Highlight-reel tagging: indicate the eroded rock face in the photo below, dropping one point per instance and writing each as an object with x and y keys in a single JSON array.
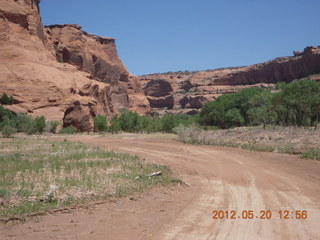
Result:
[
  {"x": 91, "y": 81},
  {"x": 284, "y": 69},
  {"x": 159, "y": 93},
  {"x": 97, "y": 56},
  {"x": 158, "y": 88},
  {"x": 192, "y": 101},
  {"x": 78, "y": 117},
  {"x": 25, "y": 13},
  {"x": 190, "y": 90},
  {"x": 187, "y": 85},
  {"x": 90, "y": 53}
]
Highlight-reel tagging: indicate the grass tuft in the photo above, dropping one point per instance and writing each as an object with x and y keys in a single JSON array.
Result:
[{"x": 311, "y": 154}]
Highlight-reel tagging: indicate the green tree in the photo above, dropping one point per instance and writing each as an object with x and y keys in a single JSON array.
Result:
[
  {"x": 25, "y": 124},
  {"x": 53, "y": 126},
  {"x": 115, "y": 125},
  {"x": 229, "y": 110},
  {"x": 168, "y": 122},
  {"x": 7, "y": 131},
  {"x": 155, "y": 124},
  {"x": 100, "y": 123},
  {"x": 298, "y": 103},
  {"x": 128, "y": 120},
  {"x": 5, "y": 112},
  {"x": 11, "y": 100},
  {"x": 5, "y": 99},
  {"x": 261, "y": 109},
  {"x": 68, "y": 130},
  {"x": 7, "y": 121},
  {"x": 233, "y": 118},
  {"x": 39, "y": 124},
  {"x": 143, "y": 124}
]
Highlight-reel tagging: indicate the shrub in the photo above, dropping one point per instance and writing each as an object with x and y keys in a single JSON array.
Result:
[
  {"x": 311, "y": 154},
  {"x": 100, "y": 123},
  {"x": 155, "y": 125},
  {"x": 53, "y": 126},
  {"x": 7, "y": 131},
  {"x": 128, "y": 120},
  {"x": 8, "y": 122},
  {"x": 5, "y": 113},
  {"x": 234, "y": 118},
  {"x": 39, "y": 124},
  {"x": 25, "y": 124},
  {"x": 179, "y": 130},
  {"x": 168, "y": 122},
  {"x": 143, "y": 124},
  {"x": 229, "y": 110},
  {"x": 69, "y": 130},
  {"x": 132, "y": 122},
  {"x": 11, "y": 100},
  {"x": 115, "y": 125},
  {"x": 190, "y": 134},
  {"x": 171, "y": 121},
  {"x": 6, "y": 100}
]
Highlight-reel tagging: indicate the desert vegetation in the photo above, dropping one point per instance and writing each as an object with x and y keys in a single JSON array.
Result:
[
  {"x": 128, "y": 121},
  {"x": 281, "y": 139},
  {"x": 69, "y": 130},
  {"x": 6, "y": 100},
  {"x": 293, "y": 104},
  {"x": 11, "y": 123},
  {"x": 37, "y": 174},
  {"x": 285, "y": 120}
]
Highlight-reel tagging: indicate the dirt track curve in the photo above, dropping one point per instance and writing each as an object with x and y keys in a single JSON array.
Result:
[{"x": 217, "y": 178}]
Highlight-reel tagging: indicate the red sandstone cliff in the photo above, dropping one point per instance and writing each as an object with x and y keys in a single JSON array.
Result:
[
  {"x": 186, "y": 92},
  {"x": 62, "y": 72},
  {"x": 69, "y": 75}
]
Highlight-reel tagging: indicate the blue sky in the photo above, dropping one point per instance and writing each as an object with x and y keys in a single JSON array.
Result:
[{"x": 171, "y": 35}]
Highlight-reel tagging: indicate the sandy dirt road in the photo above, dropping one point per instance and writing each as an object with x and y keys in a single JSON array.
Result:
[{"x": 218, "y": 179}]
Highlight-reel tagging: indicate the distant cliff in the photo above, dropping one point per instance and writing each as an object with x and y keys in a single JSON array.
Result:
[{"x": 186, "y": 92}]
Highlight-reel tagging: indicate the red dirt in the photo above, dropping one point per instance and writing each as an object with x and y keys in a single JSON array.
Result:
[{"x": 218, "y": 179}]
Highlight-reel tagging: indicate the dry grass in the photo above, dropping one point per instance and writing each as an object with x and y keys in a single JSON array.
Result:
[
  {"x": 292, "y": 140},
  {"x": 38, "y": 174}
]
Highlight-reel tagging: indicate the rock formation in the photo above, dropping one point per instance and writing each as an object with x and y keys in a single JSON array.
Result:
[
  {"x": 60, "y": 71},
  {"x": 90, "y": 53},
  {"x": 284, "y": 69},
  {"x": 69, "y": 75},
  {"x": 97, "y": 56},
  {"x": 190, "y": 90},
  {"x": 160, "y": 93}
]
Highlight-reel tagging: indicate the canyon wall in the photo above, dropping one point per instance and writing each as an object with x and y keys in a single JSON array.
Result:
[
  {"x": 186, "y": 92},
  {"x": 70, "y": 75},
  {"x": 60, "y": 71}
]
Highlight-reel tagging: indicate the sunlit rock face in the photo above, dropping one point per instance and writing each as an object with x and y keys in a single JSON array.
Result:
[{"x": 60, "y": 71}]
